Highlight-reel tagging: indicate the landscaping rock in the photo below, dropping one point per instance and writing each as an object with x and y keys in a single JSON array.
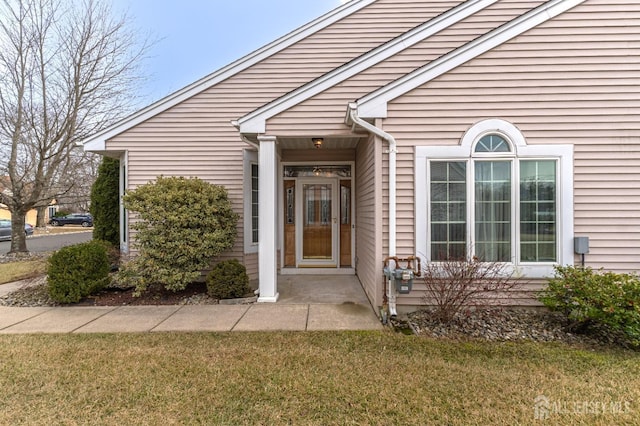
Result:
[
  {"x": 495, "y": 324},
  {"x": 239, "y": 301}
]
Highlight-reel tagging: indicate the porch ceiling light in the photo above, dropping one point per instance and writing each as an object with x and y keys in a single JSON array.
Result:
[{"x": 317, "y": 142}]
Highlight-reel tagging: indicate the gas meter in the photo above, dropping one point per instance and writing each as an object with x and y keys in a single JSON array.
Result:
[
  {"x": 403, "y": 277},
  {"x": 404, "y": 280}
]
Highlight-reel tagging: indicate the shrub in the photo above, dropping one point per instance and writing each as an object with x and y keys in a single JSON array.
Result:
[
  {"x": 77, "y": 271},
  {"x": 105, "y": 202},
  {"x": 596, "y": 298},
  {"x": 61, "y": 213},
  {"x": 455, "y": 284},
  {"x": 113, "y": 254},
  {"x": 228, "y": 280},
  {"x": 183, "y": 224}
]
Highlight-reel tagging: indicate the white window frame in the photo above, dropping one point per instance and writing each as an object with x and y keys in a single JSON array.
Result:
[
  {"x": 561, "y": 153},
  {"x": 250, "y": 158}
]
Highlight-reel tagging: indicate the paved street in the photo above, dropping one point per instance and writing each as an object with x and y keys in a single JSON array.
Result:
[{"x": 43, "y": 243}]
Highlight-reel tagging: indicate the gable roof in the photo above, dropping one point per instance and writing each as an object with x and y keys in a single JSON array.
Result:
[
  {"x": 374, "y": 104},
  {"x": 97, "y": 142},
  {"x": 255, "y": 121}
]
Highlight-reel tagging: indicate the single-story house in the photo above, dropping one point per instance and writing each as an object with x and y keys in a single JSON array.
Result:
[
  {"x": 429, "y": 128},
  {"x": 32, "y": 215}
]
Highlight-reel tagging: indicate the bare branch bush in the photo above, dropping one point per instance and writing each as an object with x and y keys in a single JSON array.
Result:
[
  {"x": 456, "y": 284},
  {"x": 68, "y": 69}
]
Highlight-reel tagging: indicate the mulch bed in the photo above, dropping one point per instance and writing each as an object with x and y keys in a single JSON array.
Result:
[
  {"x": 34, "y": 293},
  {"x": 119, "y": 297}
]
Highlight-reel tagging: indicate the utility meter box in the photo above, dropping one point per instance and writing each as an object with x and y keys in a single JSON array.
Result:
[
  {"x": 581, "y": 245},
  {"x": 404, "y": 280}
]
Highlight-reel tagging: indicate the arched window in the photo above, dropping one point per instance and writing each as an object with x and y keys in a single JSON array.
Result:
[
  {"x": 492, "y": 143},
  {"x": 495, "y": 197}
]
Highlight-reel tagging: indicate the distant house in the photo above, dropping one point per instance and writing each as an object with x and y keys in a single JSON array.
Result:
[
  {"x": 404, "y": 127},
  {"x": 32, "y": 215}
]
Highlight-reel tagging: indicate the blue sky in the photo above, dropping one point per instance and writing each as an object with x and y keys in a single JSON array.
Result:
[{"x": 196, "y": 37}]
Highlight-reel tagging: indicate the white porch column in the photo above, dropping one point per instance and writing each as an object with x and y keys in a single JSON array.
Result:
[{"x": 267, "y": 221}]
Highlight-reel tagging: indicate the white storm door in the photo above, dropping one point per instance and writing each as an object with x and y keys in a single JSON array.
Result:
[{"x": 317, "y": 227}]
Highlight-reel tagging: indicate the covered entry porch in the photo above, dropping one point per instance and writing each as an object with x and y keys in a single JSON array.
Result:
[
  {"x": 307, "y": 211},
  {"x": 321, "y": 289}
]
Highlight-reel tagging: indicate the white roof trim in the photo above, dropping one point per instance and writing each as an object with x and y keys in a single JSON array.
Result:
[
  {"x": 374, "y": 105},
  {"x": 255, "y": 122},
  {"x": 97, "y": 142}
]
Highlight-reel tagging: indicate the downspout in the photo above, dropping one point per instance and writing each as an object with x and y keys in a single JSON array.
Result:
[
  {"x": 353, "y": 114},
  {"x": 253, "y": 144},
  {"x": 236, "y": 124}
]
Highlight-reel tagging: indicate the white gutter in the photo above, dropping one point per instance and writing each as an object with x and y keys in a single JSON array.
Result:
[
  {"x": 253, "y": 144},
  {"x": 235, "y": 124},
  {"x": 353, "y": 114}
]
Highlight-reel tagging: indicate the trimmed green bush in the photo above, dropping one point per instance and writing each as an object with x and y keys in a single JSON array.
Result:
[
  {"x": 113, "y": 254},
  {"x": 228, "y": 280},
  {"x": 77, "y": 271},
  {"x": 105, "y": 202},
  {"x": 183, "y": 225},
  {"x": 596, "y": 298}
]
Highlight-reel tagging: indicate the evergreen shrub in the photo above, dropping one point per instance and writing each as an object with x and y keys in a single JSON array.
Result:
[
  {"x": 75, "y": 272},
  {"x": 228, "y": 280},
  {"x": 105, "y": 202},
  {"x": 587, "y": 297},
  {"x": 181, "y": 226}
]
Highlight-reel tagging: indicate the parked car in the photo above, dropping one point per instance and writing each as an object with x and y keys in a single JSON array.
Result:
[
  {"x": 72, "y": 219},
  {"x": 5, "y": 230}
]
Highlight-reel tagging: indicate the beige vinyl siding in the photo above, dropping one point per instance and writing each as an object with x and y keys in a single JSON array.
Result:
[
  {"x": 251, "y": 263},
  {"x": 607, "y": 202},
  {"x": 368, "y": 218},
  {"x": 573, "y": 80},
  {"x": 195, "y": 137},
  {"x": 380, "y": 21},
  {"x": 521, "y": 296},
  {"x": 326, "y": 110}
]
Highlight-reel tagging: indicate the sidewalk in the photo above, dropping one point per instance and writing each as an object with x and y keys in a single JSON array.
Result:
[
  {"x": 193, "y": 318},
  {"x": 307, "y": 303}
]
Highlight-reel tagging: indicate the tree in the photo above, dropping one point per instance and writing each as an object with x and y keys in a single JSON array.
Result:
[
  {"x": 67, "y": 70},
  {"x": 82, "y": 174},
  {"x": 182, "y": 225},
  {"x": 105, "y": 205}
]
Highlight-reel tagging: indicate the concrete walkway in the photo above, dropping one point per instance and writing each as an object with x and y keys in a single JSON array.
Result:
[{"x": 290, "y": 314}]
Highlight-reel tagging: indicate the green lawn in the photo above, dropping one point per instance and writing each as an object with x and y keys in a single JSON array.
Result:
[{"x": 308, "y": 378}]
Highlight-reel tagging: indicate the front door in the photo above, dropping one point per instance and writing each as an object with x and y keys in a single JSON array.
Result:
[
  {"x": 317, "y": 227},
  {"x": 317, "y": 216}
]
